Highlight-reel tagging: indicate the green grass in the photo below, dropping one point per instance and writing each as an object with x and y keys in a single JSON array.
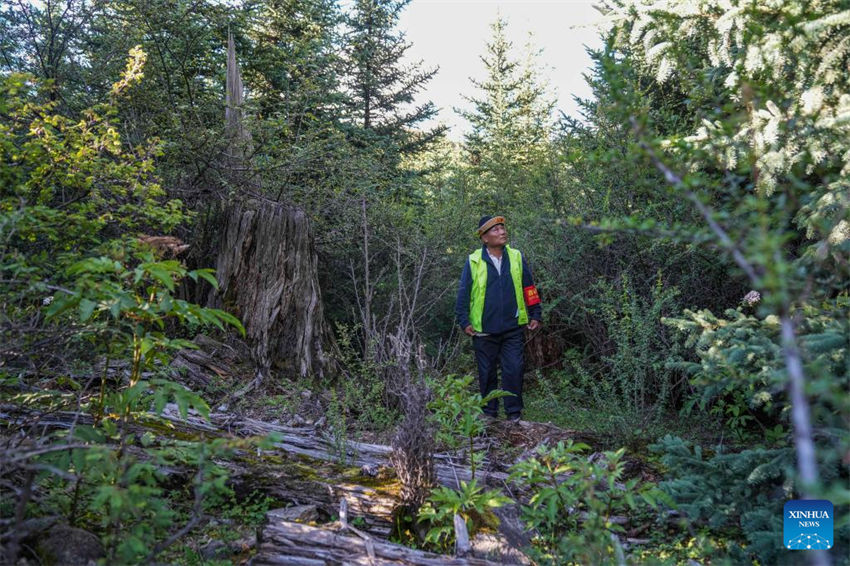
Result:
[{"x": 553, "y": 398}]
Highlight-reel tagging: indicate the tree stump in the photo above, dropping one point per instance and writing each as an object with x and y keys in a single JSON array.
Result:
[{"x": 268, "y": 274}]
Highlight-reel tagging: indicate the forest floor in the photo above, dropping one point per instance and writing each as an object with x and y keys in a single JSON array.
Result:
[
  {"x": 321, "y": 454},
  {"x": 309, "y": 406}
]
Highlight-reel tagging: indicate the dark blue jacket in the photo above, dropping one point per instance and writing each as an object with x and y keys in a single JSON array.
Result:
[{"x": 500, "y": 308}]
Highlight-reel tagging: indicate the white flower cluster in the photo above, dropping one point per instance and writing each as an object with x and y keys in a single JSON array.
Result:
[{"x": 751, "y": 298}]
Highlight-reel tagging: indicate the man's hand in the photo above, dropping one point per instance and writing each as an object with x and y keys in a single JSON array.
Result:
[
  {"x": 469, "y": 330},
  {"x": 533, "y": 324}
]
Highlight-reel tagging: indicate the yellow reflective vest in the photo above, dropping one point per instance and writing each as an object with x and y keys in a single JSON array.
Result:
[{"x": 478, "y": 270}]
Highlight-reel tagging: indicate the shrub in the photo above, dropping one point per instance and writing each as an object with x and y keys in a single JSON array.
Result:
[
  {"x": 457, "y": 411},
  {"x": 573, "y": 501},
  {"x": 470, "y": 501},
  {"x": 78, "y": 285}
]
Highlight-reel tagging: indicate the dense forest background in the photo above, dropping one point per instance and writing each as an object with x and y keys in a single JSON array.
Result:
[{"x": 689, "y": 234}]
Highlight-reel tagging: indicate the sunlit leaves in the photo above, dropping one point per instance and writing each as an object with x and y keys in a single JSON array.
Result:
[
  {"x": 573, "y": 500},
  {"x": 471, "y": 501}
]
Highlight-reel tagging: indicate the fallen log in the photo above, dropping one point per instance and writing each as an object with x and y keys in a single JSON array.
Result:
[
  {"x": 294, "y": 544},
  {"x": 308, "y": 441},
  {"x": 302, "y": 468},
  {"x": 301, "y": 481},
  {"x": 314, "y": 443}
]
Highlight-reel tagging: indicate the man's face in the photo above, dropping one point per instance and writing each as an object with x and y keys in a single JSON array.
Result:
[{"x": 495, "y": 236}]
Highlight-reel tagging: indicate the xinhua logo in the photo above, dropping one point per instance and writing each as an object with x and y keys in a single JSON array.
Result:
[{"x": 808, "y": 524}]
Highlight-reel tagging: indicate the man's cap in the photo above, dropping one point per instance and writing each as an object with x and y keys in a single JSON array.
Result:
[{"x": 488, "y": 222}]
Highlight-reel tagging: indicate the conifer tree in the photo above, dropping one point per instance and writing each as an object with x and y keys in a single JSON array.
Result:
[
  {"x": 381, "y": 88},
  {"x": 764, "y": 166},
  {"x": 510, "y": 120},
  {"x": 294, "y": 67},
  {"x": 293, "y": 70}
]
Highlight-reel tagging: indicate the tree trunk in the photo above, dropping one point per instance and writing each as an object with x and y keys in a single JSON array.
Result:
[
  {"x": 267, "y": 269},
  {"x": 267, "y": 264}
]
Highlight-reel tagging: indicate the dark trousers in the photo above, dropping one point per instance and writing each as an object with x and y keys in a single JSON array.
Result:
[{"x": 503, "y": 350}]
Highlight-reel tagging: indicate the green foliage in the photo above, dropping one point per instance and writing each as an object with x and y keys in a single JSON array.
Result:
[
  {"x": 111, "y": 478},
  {"x": 742, "y": 111},
  {"x": 739, "y": 381},
  {"x": 638, "y": 383},
  {"x": 470, "y": 501},
  {"x": 630, "y": 390},
  {"x": 633, "y": 388},
  {"x": 510, "y": 126},
  {"x": 740, "y": 378},
  {"x": 362, "y": 394},
  {"x": 129, "y": 307},
  {"x": 745, "y": 490},
  {"x": 359, "y": 401},
  {"x": 250, "y": 510},
  {"x": 458, "y": 414},
  {"x": 740, "y": 374},
  {"x": 338, "y": 423},
  {"x": 74, "y": 202},
  {"x": 745, "y": 105},
  {"x": 107, "y": 484},
  {"x": 573, "y": 500},
  {"x": 70, "y": 191},
  {"x": 380, "y": 86},
  {"x": 54, "y": 204}
]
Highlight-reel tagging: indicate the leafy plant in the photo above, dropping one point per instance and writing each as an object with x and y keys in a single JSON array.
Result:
[
  {"x": 458, "y": 414},
  {"x": 363, "y": 392},
  {"x": 637, "y": 382},
  {"x": 470, "y": 501},
  {"x": 129, "y": 306},
  {"x": 574, "y": 499},
  {"x": 74, "y": 203},
  {"x": 337, "y": 422}
]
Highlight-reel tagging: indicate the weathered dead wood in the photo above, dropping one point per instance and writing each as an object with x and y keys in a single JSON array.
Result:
[
  {"x": 312, "y": 442},
  {"x": 268, "y": 273},
  {"x": 267, "y": 262},
  {"x": 212, "y": 361},
  {"x": 292, "y": 473},
  {"x": 286, "y": 543},
  {"x": 308, "y": 441},
  {"x": 305, "y": 482},
  {"x": 237, "y": 134},
  {"x": 462, "y": 546},
  {"x": 189, "y": 372},
  {"x": 302, "y": 468}
]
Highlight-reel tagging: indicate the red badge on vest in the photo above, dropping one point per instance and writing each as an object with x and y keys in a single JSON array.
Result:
[{"x": 531, "y": 296}]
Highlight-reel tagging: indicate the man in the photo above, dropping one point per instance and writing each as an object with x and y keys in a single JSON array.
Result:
[{"x": 496, "y": 299}]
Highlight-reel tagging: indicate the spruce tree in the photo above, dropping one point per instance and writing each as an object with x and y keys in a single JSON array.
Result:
[
  {"x": 510, "y": 121},
  {"x": 294, "y": 67},
  {"x": 765, "y": 169},
  {"x": 381, "y": 88},
  {"x": 293, "y": 70}
]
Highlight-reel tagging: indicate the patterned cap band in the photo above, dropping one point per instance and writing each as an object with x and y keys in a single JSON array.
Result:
[{"x": 490, "y": 223}]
